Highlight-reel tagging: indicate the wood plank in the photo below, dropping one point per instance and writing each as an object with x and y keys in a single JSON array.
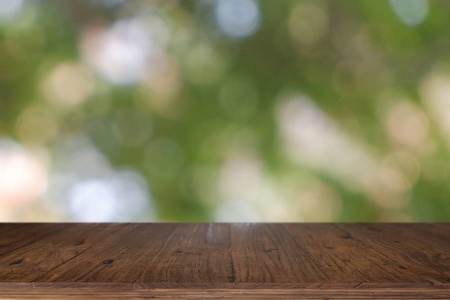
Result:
[
  {"x": 433, "y": 234},
  {"x": 16, "y": 235},
  {"x": 407, "y": 255},
  {"x": 341, "y": 257},
  {"x": 35, "y": 259},
  {"x": 195, "y": 255},
  {"x": 262, "y": 254},
  {"x": 226, "y": 261},
  {"x": 113, "y": 292},
  {"x": 115, "y": 258},
  {"x": 351, "y": 259}
]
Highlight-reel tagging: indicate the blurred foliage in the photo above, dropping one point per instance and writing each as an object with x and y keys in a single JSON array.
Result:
[{"x": 320, "y": 111}]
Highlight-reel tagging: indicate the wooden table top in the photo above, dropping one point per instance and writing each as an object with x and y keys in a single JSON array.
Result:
[{"x": 221, "y": 260}]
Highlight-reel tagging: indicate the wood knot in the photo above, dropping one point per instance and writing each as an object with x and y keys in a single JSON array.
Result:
[
  {"x": 191, "y": 253},
  {"x": 79, "y": 243},
  {"x": 16, "y": 262},
  {"x": 347, "y": 237},
  {"x": 108, "y": 261},
  {"x": 270, "y": 250},
  {"x": 373, "y": 229}
]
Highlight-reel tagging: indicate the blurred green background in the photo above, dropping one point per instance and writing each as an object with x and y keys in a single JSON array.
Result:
[{"x": 227, "y": 110}]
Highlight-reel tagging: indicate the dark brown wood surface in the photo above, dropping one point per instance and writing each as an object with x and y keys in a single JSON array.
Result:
[{"x": 219, "y": 260}]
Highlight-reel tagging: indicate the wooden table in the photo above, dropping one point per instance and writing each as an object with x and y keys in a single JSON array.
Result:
[{"x": 220, "y": 260}]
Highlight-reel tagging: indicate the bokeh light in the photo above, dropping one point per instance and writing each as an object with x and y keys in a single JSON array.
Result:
[
  {"x": 124, "y": 52},
  {"x": 69, "y": 84},
  {"x": 120, "y": 198},
  {"x": 410, "y": 12},
  {"x": 224, "y": 110},
  {"x": 23, "y": 177},
  {"x": 92, "y": 190},
  {"x": 9, "y": 9},
  {"x": 237, "y": 18},
  {"x": 308, "y": 23},
  {"x": 313, "y": 139}
]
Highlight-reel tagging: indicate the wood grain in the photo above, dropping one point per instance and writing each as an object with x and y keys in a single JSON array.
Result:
[{"x": 221, "y": 260}]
